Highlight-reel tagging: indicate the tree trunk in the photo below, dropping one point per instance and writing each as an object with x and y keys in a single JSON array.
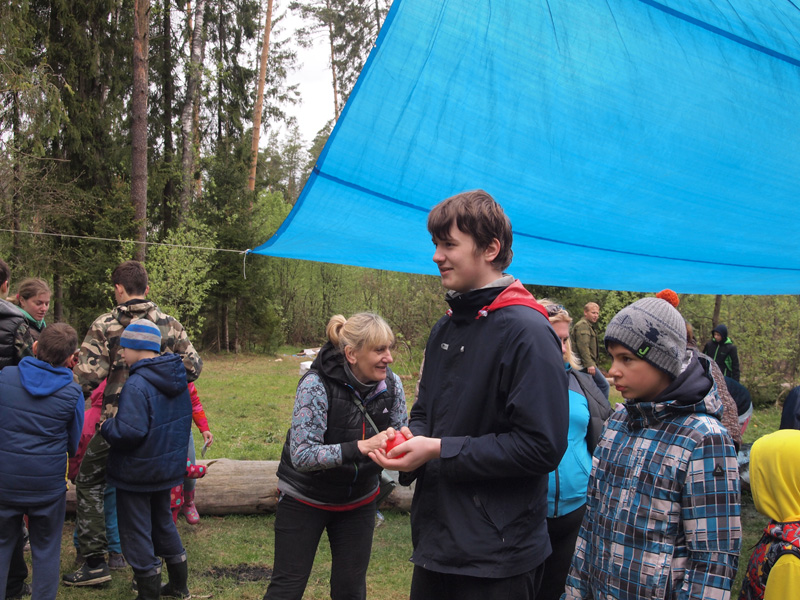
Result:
[
  {"x": 262, "y": 77},
  {"x": 187, "y": 120},
  {"x": 16, "y": 250},
  {"x": 236, "y": 340},
  {"x": 141, "y": 40},
  {"x": 225, "y": 337},
  {"x": 169, "y": 97},
  {"x": 333, "y": 70},
  {"x": 717, "y": 307},
  {"x": 250, "y": 487},
  {"x": 58, "y": 297}
]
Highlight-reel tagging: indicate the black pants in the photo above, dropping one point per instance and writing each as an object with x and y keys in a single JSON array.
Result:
[
  {"x": 17, "y": 569},
  {"x": 563, "y": 533},
  {"x": 298, "y": 528},
  {"x": 147, "y": 532},
  {"x": 45, "y": 523},
  {"x": 430, "y": 585}
]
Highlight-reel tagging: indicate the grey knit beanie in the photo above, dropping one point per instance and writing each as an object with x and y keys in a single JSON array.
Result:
[{"x": 653, "y": 330}]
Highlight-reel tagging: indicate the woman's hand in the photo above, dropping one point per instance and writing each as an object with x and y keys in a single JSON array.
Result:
[
  {"x": 373, "y": 443},
  {"x": 208, "y": 438},
  {"x": 416, "y": 450}
]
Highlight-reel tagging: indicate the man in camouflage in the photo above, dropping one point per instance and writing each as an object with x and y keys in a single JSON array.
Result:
[{"x": 99, "y": 360}]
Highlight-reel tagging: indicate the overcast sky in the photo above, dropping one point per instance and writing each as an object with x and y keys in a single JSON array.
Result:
[{"x": 314, "y": 81}]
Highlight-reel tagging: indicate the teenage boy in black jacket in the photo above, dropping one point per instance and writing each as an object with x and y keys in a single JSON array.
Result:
[{"x": 490, "y": 420}]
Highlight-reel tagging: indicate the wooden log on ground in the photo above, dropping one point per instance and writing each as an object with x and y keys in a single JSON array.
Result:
[{"x": 249, "y": 487}]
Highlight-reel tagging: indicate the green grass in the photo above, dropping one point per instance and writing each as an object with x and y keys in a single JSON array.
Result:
[{"x": 248, "y": 401}]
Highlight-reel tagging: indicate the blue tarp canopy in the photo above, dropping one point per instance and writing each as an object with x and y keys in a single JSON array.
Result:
[{"x": 634, "y": 144}]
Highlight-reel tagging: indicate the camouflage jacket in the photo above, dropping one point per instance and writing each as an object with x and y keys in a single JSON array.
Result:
[{"x": 100, "y": 359}]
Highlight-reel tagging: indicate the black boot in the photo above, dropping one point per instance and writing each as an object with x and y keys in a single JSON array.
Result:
[
  {"x": 178, "y": 578},
  {"x": 149, "y": 587}
]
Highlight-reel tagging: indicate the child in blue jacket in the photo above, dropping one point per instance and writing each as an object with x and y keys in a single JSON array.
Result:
[
  {"x": 41, "y": 417},
  {"x": 148, "y": 439}
]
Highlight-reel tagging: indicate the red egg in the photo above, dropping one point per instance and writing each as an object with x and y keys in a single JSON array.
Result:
[{"x": 398, "y": 439}]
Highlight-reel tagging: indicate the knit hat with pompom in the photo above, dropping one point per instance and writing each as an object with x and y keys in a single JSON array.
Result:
[{"x": 653, "y": 330}]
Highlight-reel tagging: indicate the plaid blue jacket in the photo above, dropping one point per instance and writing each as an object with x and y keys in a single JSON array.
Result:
[{"x": 662, "y": 517}]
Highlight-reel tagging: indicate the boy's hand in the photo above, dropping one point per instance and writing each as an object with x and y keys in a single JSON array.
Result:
[
  {"x": 72, "y": 360},
  {"x": 417, "y": 451}
]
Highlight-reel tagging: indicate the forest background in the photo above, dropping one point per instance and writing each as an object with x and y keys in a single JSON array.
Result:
[{"x": 136, "y": 119}]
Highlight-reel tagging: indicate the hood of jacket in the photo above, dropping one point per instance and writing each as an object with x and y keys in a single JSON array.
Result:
[
  {"x": 7, "y": 309},
  {"x": 723, "y": 331},
  {"x": 775, "y": 475},
  {"x": 137, "y": 308},
  {"x": 42, "y": 379},
  {"x": 165, "y": 372},
  {"x": 330, "y": 363},
  {"x": 693, "y": 391}
]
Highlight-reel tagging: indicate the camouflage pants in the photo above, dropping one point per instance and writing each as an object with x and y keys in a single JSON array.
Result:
[{"x": 90, "y": 488}]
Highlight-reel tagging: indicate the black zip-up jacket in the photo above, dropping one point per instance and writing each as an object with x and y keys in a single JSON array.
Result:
[
  {"x": 494, "y": 389},
  {"x": 11, "y": 318},
  {"x": 724, "y": 353}
]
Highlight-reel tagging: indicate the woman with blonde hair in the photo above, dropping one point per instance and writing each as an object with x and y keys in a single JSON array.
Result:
[
  {"x": 343, "y": 406},
  {"x": 566, "y": 491}
]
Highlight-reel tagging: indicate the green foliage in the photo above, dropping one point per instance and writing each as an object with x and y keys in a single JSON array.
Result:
[
  {"x": 764, "y": 329},
  {"x": 242, "y": 312},
  {"x": 180, "y": 277}
]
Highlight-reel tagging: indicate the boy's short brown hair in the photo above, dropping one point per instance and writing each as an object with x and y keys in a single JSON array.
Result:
[
  {"x": 57, "y": 343},
  {"x": 478, "y": 215},
  {"x": 132, "y": 276}
]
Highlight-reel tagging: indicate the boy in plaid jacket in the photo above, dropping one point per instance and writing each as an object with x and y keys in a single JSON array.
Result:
[{"x": 662, "y": 517}]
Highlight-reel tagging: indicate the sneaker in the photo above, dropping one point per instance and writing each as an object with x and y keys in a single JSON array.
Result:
[
  {"x": 116, "y": 561},
  {"x": 88, "y": 576},
  {"x": 25, "y": 591},
  {"x": 79, "y": 559}
]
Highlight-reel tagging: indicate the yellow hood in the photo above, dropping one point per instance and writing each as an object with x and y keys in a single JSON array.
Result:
[{"x": 775, "y": 475}]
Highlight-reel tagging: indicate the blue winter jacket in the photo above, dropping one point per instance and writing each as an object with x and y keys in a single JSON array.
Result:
[
  {"x": 149, "y": 435},
  {"x": 41, "y": 417}
]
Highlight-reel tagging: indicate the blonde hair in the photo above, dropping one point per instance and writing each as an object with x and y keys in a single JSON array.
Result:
[
  {"x": 558, "y": 314},
  {"x": 362, "y": 330}
]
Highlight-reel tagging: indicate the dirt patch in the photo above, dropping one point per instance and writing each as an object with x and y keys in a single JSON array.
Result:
[{"x": 242, "y": 572}]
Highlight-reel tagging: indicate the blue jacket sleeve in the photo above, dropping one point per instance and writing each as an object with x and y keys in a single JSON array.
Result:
[
  {"x": 128, "y": 428},
  {"x": 75, "y": 427}
]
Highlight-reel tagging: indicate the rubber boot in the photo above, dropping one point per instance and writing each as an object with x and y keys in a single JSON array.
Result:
[
  {"x": 177, "y": 586},
  {"x": 188, "y": 509},
  {"x": 149, "y": 587}
]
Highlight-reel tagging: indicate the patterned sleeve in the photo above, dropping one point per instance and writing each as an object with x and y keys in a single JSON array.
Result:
[
  {"x": 23, "y": 341},
  {"x": 577, "y": 585},
  {"x": 93, "y": 363},
  {"x": 710, "y": 512},
  {"x": 307, "y": 446},
  {"x": 399, "y": 416},
  {"x": 177, "y": 341}
]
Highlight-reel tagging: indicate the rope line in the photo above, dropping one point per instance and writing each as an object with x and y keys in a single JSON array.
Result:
[{"x": 102, "y": 239}]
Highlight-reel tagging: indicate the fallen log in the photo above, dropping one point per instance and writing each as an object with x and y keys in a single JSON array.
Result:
[{"x": 250, "y": 487}]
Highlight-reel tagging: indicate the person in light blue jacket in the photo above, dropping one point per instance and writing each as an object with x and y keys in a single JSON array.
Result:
[{"x": 566, "y": 490}]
